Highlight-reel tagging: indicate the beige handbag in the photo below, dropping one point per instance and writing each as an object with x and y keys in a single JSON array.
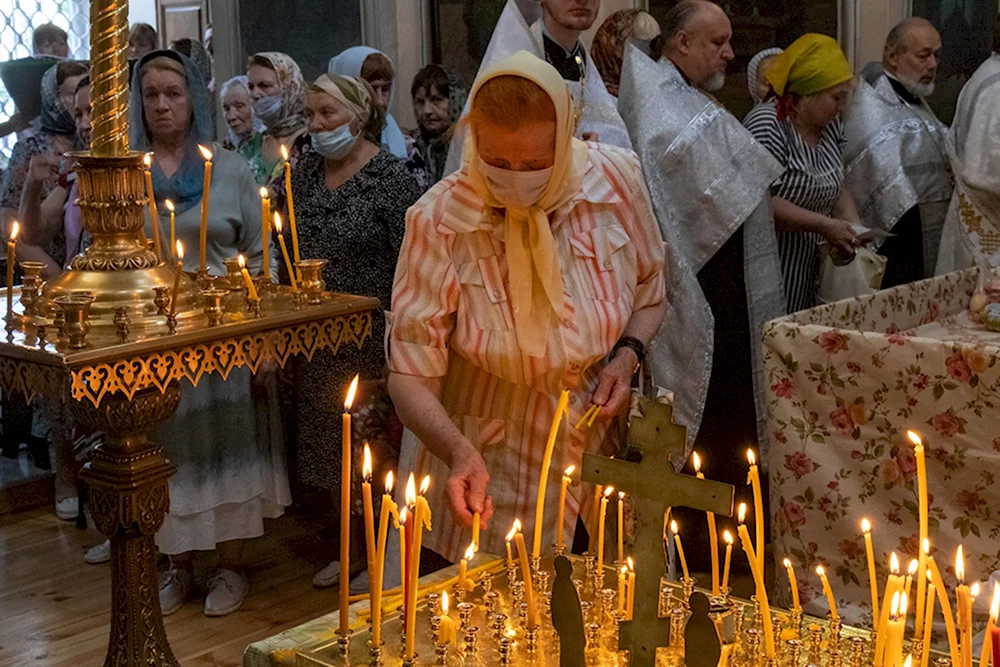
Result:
[{"x": 863, "y": 275}]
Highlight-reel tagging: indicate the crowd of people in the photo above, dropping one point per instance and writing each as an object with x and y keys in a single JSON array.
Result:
[{"x": 526, "y": 238}]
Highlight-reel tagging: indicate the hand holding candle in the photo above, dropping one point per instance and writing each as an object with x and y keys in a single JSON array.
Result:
[{"x": 203, "y": 237}]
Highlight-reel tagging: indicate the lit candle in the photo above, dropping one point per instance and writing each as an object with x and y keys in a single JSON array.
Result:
[
  {"x": 529, "y": 586},
  {"x": 621, "y": 527},
  {"x": 794, "y": 585},
  {"x": 543, "y": 480},
  {"x": 463, "y": 580},
  {"x": 728, "y": 537},
  {"x": 929, "y": 621},
  {"x": 631, "y": 588},
  {"x": 922, "y": 508},
  {"x": 291, "y": 205},
  {"x": 753, "y": 479},
  {"x": 962, "y": 607},
  {"x": 173, "y": 226},
  {"x": 251, "y": 290},
  {"x": 203, "y": 260},
  {"x": 680, "y": 551},
  {"x": 369, "y": 512},
  {"x": 566, "y": 479},
  {"x": 621, "y": 591},
  {"x": 600, "y": 531},
  {"x": 265, "y": 231},
  {"x": 991, "y": 640},
  {"x": 446, "y": 631},
  {"x": 866, "y": 529},
  {"x": 967, "y": 639},
  {"x": 345, "y": 492},
  {"x": 388, "y": 507},
  {"x": 897, "y": 628},
  {"x": 892, "y": 585},
  {"x": 404, "y": 554},
  {"x": 514, "y": 530},
  {"x": 832, "y": 601},
  {"x": 713, "y": 533},
  {"x": 949, "y": 618},
  {"x": 594, "y": 513},
  {"x": 908, "y": 582},
  {"x": 758, "y": 577},
  {"x": 178, "y": 271},
  {"x": 284, "y": 252},
  {"x": 15, "y": 228},
  {"x": 421, "y": 520},
  {"x": 154, "y": 217},
  {"x": 476, "y": 520}
]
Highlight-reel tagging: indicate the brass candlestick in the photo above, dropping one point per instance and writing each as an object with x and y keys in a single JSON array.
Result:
[
  {"x": 161, "y": 299},
  {"x": 122, "y": 321},
  {"x": 312, "y": 284},
  {"x": 76, "y": 309},
  {"x": 858, "y": 648},
  {"x": 213, "y": 305}
]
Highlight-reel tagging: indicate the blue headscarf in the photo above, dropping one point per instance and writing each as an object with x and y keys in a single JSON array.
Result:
[
  {"x": 350, "y": 62},
  {"x": 56, "y": 118},
  {"x": 184, "y": 188}
]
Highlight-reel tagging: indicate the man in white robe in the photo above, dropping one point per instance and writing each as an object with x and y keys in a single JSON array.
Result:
[
  {"x": 896, "y": 160},
  {"x": 709, "y": 181},
  {"x": 972, "y": 229}
]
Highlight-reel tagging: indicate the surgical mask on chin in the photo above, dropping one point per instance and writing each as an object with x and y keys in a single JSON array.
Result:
[
  {"x": 335, "y": 144},
  {"x": 515, "y": 189},
  {"x": 268, "y": 109}
]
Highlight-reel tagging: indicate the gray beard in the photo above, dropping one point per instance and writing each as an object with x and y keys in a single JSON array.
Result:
[
  {"x": 916, "y": 88},
  {"x": 714, "y": 83}
]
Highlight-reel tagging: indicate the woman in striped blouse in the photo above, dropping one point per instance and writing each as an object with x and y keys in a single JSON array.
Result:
[
  {"x": 537, "y": 268},
  {"x": 803, "y": 129}
]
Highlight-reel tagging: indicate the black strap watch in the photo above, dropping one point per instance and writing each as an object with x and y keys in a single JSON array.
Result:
[{"x": 631, "y": 343}]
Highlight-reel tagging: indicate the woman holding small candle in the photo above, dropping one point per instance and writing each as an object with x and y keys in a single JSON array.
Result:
[
  {"x": 225, "y": 437},
  {"x": 536, "y": 268}
]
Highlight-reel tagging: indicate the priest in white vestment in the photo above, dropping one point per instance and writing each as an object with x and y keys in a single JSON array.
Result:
[{"x": 896, "y": 160}]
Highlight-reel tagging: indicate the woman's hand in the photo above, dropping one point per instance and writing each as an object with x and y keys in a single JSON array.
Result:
[
  {"x": 840, "y": 233},
  {"x": 614, "y": 386},
  {"x": 44, "y": 167},
  {"x": 465, "y": 490}
]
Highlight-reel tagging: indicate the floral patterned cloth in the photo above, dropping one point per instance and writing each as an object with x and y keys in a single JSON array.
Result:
[{"x": 846, "y": 382}]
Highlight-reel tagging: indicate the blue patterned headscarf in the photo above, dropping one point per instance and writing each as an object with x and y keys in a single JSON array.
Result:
[
  {"x": 56, "y": 118},
  {"x": 184, "y": 188}
]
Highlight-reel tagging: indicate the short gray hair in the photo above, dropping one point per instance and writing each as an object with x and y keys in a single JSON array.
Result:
[
  {"x": 898, "y": 38},
  {"x": 681, "y": 16}
]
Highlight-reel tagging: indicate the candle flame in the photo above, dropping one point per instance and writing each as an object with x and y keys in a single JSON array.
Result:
[
  {"x": 263, "y": 193},
  {"x": 470, "y": 552},
  {"x": 444, "y": 603},
  {"x": 147, "y": 160},
  {"x": 284, "y": 154},
  {"x": 914, "y": 438},
  {"x": 621, "y": 496},
  {"x": 866, "y": 526},
  {"x": 894, "y": 563},
  {"x": 624, "y": 569},
  {"x": 697, "y": 462},
  {"x": 787, "y": 563},
  {"x": 974, "y": 591},
  {"x": 751, "y": 458},
  {"x": 743, "y": 512},
  {"x": 180, "y": 250},
  {"x": 402, "y": 515},
  {"x": 631, "y": 566},
  {"x": 169, "y": 204},
  {"x": 569, "y": 471},
  {"x": 960, "y": 564},
  {"x": 608, "y": 491},
  {"x": 673, "y": 527},
  {"x": 411, "y": 490},
  {"x": 912, "y": 570},
  {"x": 995, "y": 607},
  {"x": 904, "y": 603},
  {"x": 927, "y": 546},
  {"x": 205, "y": 153},
  {"x": 895, "y": 605},
  {"x": 425, "y": 484},
  {"x": 277, "y": 222},
  {"x": 514, "y": 530},
  {"x": 351, "y": 391},
  {"x": 15, "y": 229},
  {"x": 909, "y": 661},
  {"x": 241, "y": 261},
  {"x": 820, "y": 570},
  {"x": 930, "y": 577},
  {"x": 728, "y": 537},
  {"x": 366, "y": 467},
  {"x": 389, "y": 479}
]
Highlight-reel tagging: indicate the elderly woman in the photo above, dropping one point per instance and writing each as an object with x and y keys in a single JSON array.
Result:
[
  {"x": 373, "y": 66},
  {"x": 537, "y": 268},
  {"x": 351, "y": 198},
  {"x": 438, "y": 101},
  {"x": 757, "y": 83},
  {"x": 229, "y": 455},
  {"x": 803, "y": 129},
  {"x": 608, "y": 50},
  {"x": 245, "y": 134},
  {"x": 277, "y": 94}
]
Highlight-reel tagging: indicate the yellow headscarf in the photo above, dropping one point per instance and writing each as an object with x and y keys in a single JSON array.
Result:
[
  {"x": 813, "y": 63},
  {"x": 535, "y": 273}
]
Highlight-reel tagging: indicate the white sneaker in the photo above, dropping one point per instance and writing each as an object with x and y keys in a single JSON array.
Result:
[
  {"x": 174, "y": 588},
  {"x": 226, "y": 592},
  {"x": 99, "y": 554},
  {"x": 328, "y": 576},
  {"x": 68, "y": 508}
]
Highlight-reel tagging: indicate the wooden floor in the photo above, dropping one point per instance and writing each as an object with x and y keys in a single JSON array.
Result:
[{"x": 54, "y": 608}]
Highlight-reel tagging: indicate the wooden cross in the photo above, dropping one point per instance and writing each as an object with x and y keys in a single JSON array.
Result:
[{"x": 656, "y": 487}]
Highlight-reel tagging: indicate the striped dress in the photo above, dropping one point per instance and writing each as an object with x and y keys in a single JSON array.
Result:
[
  {"x": 813, "y": 180},
  {"x": 451, "y": 318}
]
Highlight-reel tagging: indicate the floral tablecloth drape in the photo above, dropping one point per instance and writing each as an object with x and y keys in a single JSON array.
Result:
[{"x": 846, "y": 381}]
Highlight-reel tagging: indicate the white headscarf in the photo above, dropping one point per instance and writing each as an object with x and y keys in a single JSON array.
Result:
[
  {"x": 256, "y": 124},
  {"x": 752, "y": 69},
  {"x": 349, "y": 63}
]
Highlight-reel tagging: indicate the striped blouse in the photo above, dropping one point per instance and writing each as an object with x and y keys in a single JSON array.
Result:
[
  {"x": 451, "y": 317},
  {"x": 813, "y": 180}
]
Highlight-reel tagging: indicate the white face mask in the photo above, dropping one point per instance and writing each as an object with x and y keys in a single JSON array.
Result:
[{"x": 515, "y": 189}]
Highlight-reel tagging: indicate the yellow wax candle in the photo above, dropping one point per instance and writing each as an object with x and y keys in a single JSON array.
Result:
[
  {"x": 403, "y": 517},
  {"x": 154, "y": 217},
  {"x": 543, "y": 480},
  {"x": 967, "y": 638},
  {"x": 621, "y": 591},
  {"x": 621, "y": 527},
  {"x": 923, "y": 510},
  {"x": 446, "y": 631},
  {"x": 529, "y": 586},
  {"x": 463, "y": 580},
  {"x": 892, "y": 585},
  {"x": 600, "y": 531},
  {"x": 345, "y": 497},
  {"x": 713, "y": 533},
  {"x": 987, "y": 652},
  {"x": 566, "y": 479},
  {"x": 962, "y": 620},
  {"x": 680, "y": 551},
  {"x": 291, "y": 205},
  {"x": 897, "y": 627},
  {"x": 908, "y": 582},
  {"x": 15, "y": 228},
  {"x": 929, "y": 622},
  {"x": 265, "y": 231},
  {"x": 794, "y": 584},
  {"x": 631, "y": 589},
  {"x": 369, "y": 512},
  {"x": 514, "y": 530},
  {"x": 248, "y": 282},
  {"x": 422, "y": 520},
  {"x": 753, "y": 479},
  {"x": 728, "y": 537},
  {"x": 866, "y": 529},
  {"x": 284, "y": 253},
  {"x": 758, "y": 577},
  {"x": 949, "y": 618},
  {"x": 476, "y": 520},
  {"x": 178, "y": 271},
  {"x": 388, "y": 507},
  {"x": 173, "y": 227},
  {"x": 832, "y": 601},
  {"x": 203, "y": 260},
  {"x": 594, "y": 514}
]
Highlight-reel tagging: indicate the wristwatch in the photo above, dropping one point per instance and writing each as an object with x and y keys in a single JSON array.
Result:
[{"x": 631, "y": 343}]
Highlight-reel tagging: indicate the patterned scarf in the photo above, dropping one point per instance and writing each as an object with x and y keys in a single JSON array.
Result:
[
  {"x": 293, "y": 93},
  {"x": 56, "y": 118},
  {"x": 608, "y": 49}
]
